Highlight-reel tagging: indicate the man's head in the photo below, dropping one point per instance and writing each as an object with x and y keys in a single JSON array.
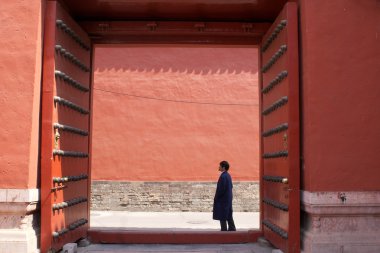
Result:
[{"x": 224, "y": 165}]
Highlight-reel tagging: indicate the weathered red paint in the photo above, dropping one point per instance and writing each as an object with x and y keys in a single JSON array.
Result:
[
  {"x": 340, "y": 95},
  {"x": 156, "y": 137},
  {"x": 20, "y": 75},
  {"x": 339, "y": 41},
  {"x": 171, "y": 237}
]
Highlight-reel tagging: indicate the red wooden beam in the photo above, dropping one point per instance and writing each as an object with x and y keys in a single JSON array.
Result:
[{"x": 175, "y": 32}]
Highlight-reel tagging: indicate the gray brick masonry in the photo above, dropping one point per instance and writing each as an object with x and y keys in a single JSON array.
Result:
[{"x": 169, "y": 196}]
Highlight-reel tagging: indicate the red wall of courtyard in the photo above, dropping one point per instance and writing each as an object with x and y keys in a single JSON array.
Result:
[{"x": 171, "y": 113}]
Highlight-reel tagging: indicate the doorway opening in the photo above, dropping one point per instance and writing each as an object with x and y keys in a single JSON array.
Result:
[{"x": 164, "y": 116}]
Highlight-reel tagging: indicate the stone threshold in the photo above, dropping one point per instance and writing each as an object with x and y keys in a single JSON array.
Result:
[{"x": 169, "y": 236}]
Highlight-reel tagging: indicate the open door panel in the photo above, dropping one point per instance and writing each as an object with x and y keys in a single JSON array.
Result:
[
  {"x": 280, "y": 137},
  {"x": 65, "y": 130}
]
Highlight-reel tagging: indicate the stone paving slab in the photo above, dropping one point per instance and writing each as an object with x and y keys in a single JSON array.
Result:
[
  {"x": 171, "y": 220},
  {"x": 204, "y": 248}
]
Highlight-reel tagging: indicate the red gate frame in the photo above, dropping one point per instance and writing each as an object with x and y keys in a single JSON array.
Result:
[{"x": 148, "y": 32}]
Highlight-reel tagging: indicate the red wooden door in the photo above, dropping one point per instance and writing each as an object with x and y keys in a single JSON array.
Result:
[
  {"x": 65, "y": 130},
  {"x": 280, "y": 141}
]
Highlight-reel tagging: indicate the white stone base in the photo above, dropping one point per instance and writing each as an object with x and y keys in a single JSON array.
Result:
[
  {"x": 340, "y": 222},
  {"x": 19, "y": 221},
  {"x": 12, "y": 241}
]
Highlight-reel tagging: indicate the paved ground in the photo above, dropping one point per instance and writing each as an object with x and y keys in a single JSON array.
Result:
[
  {"x": 172, "y": 220},
  {"x": 163, "y": 248}
]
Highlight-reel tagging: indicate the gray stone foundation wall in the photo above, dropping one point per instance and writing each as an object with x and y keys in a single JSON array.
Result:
[{"x": 169, "y": 196}]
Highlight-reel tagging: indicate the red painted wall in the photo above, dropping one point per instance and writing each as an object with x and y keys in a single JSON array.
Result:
[
  {"x": 20, "y": 75},
  {"x": 173, "y": 112},
  {"x": 341, "y": 91},
  {"x": 340, "y": 59}
]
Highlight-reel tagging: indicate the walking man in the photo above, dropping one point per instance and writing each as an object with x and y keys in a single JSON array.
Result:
[{"x": 222, "y": 210}]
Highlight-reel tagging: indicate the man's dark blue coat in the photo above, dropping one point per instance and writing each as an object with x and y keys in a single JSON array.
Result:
[{"x": 223, "y": 198}]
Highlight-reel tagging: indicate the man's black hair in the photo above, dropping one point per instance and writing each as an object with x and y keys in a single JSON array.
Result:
[{"x": 225, "y": 165}]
